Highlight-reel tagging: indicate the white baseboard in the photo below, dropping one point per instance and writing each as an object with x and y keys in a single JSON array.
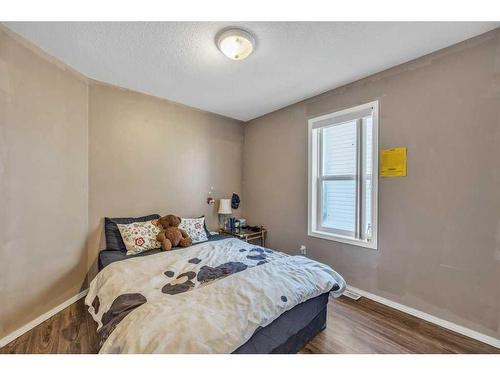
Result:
[
  {"x": 42, "y": 318},
  {"x": 429, "y": 318}
]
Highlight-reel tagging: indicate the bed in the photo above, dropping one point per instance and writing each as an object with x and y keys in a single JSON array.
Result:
[{"x": 220, "y": 296}]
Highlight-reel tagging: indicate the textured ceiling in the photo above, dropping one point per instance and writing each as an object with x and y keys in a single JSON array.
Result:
[{"x": 293, "y": 60}]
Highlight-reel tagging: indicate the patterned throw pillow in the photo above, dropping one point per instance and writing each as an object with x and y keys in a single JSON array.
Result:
[
  {"x": 195, "y": 228},
  {"x": 140, "y": 236}
]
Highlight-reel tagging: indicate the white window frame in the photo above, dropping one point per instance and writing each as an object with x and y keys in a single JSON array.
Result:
[{"x": 314, "y": 228}]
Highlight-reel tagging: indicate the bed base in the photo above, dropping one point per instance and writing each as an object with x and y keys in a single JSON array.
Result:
[{"x": 291, "y": 331}]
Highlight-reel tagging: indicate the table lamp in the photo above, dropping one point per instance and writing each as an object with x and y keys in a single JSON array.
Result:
[{"x": 224, "y": 209}]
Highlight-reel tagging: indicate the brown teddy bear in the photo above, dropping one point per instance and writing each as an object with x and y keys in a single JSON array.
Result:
[{"x": 171, "y": 235}]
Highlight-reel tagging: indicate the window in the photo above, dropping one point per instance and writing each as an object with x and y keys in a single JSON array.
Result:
[{"x": 343, "y": 171}]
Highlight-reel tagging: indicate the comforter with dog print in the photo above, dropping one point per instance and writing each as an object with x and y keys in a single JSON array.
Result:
[{"x": 207, "y": 298}]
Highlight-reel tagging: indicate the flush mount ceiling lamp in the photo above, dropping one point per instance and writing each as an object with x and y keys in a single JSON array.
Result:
[{"x": 237, "y": 44}]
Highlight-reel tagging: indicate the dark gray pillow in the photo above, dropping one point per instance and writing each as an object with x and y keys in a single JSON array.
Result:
[{"x": 114, "y": 239}]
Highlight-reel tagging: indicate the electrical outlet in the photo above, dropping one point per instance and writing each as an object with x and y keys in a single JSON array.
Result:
[{"x": 303, "y": 249}]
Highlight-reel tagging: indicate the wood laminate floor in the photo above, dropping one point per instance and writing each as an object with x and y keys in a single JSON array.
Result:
[{"x": 362, "y": 326}]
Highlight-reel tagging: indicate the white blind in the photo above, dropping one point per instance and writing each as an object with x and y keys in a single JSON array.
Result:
[
  {"x": 339, "y": 149},
  {"x": 339, "y": 205},
  {"x": 340, "y": 160}
]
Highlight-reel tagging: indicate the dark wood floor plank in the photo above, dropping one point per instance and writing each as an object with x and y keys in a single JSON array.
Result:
[
  {"x": 18, "y": 346},
  {"x": 74, "y": 337},
  {"x": 44, "y": 338},
  {"x": 92, "y": 333},
  {"x": 376, "y": 328},
  {"x": 362, "y": 326}
]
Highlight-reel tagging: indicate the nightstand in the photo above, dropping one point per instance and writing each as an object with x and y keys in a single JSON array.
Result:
[{"x": 247, "y": 235}]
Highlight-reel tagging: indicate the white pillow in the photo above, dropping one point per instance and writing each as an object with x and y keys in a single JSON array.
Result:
[
  {"x": 195, "y": 228},
  {"x": 140, "y": 236}
]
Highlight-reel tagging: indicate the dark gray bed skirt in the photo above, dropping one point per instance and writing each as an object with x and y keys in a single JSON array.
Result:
[{"x": 291, "y": 331}]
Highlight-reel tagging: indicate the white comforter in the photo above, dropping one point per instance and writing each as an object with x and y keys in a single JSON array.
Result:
[{"x": 208, "y": 298}]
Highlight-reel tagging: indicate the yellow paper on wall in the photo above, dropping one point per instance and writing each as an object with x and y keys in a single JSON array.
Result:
[{"x": 393, "y": 162}]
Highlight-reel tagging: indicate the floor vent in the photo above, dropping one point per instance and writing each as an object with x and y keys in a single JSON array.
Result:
[{"x": 351, "y": 295}]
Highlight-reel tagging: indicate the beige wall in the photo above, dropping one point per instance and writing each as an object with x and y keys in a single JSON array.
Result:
[
  {"x": 149, "y": 155},
  {"x": 439, "y": 228},
  {"x": 43, "y": 183}
]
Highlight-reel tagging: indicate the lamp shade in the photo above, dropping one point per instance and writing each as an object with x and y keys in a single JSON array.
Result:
[{"x": 225, "y": 207}]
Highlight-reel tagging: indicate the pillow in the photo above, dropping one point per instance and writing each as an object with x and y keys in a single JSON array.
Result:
[
  {"x": 205, "y": 226},
  {"x": 140, "y": 236},
  {"x": 114, "y": 239},
  {"x": 195, "y": 228}
]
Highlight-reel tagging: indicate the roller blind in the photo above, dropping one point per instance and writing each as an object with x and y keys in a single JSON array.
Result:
[{"x": 340, "y": 168}]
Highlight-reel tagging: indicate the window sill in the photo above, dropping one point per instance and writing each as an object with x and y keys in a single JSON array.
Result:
[{"x": 337, "y": 238}]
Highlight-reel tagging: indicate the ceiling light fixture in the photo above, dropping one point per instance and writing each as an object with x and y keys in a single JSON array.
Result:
[{"x": 237, "y": 44}]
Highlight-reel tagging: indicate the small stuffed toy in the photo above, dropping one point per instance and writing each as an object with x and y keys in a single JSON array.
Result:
[{"x": 171, "y": 235}]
